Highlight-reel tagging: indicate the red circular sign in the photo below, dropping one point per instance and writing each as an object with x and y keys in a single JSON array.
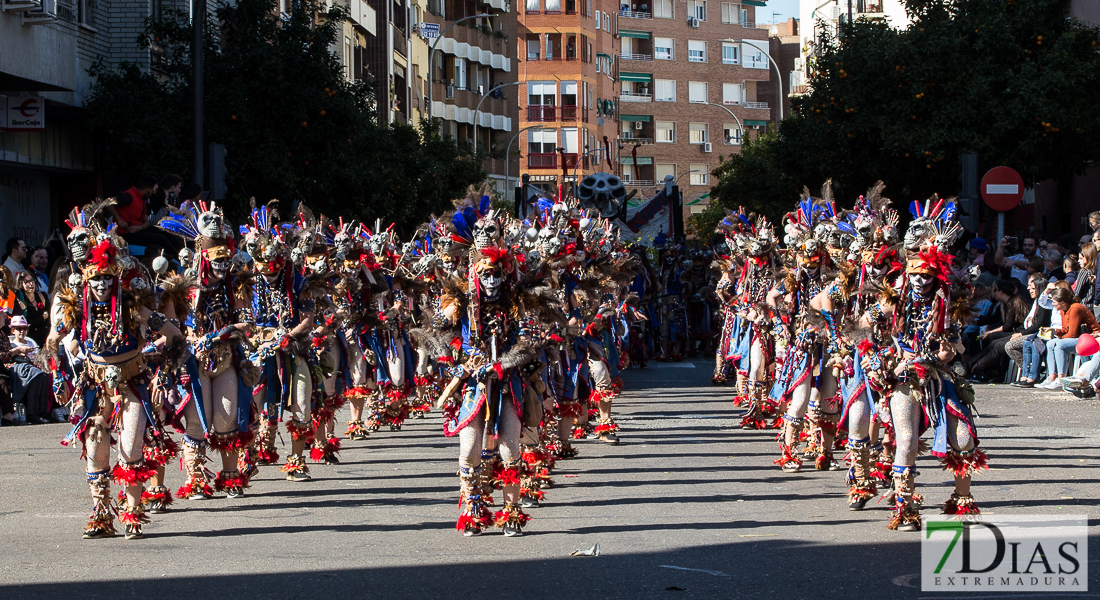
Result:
[{"x": 1002, "y": 188}]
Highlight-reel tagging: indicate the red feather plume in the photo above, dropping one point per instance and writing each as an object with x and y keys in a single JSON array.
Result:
[{"x": 103, "y": 254}]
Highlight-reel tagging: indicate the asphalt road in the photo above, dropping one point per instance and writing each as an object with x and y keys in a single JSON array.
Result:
[{"x": 687, "y": 506}]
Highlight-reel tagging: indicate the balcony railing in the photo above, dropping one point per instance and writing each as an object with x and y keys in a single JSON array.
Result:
[
  {"x": 542, "y": 113},
  {"x": 568, "y": 113},
  {"x": 633, "y": 14},
  {"x": 748, "y": 24},
  {"x": 636, "y": 56},
  {"x": 637, "y": 140},
  {"x": 635, "y": 96},
  {"x": 542, "y": 161},
  {"x": 638, "y": 182},
  {"x": 756, "y": 105},
  {"x": 570, "y": 160}
]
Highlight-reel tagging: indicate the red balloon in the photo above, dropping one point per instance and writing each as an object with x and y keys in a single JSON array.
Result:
[{"x": 1087, "y": 345}]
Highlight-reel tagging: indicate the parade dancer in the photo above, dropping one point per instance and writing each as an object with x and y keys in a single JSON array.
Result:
[
  {"x": 218, "y": 410},
  {"x": 114, "y": 385}
]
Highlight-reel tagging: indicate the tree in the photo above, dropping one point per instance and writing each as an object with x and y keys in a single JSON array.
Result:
[
  {"x": 1011, "y": 80},
  {"x": 294, "y": 128}
]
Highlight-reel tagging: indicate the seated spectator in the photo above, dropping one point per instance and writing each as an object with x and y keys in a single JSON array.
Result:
[
  {"x": 1037, "y": 318},
  {"x": 1076, "y": 319},
  {"x": 33, "y": 306},
  {"x": 131, "y": 214},
  {"x": 29, "y": 384},
  {"x": 1013, "y": 314},
  {"x": 978, "y": 249}
]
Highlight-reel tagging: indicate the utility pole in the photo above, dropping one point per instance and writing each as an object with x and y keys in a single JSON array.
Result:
[{"x": 198, "y": 17}]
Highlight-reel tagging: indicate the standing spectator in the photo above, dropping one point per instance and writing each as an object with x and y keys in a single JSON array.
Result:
[
  {"x": 1076, "y": 319},
  {"x": 167, "y": 192},
  {"x": 1086, "y": 274},
  {"x": 131, "y": 216},
  {"x": 1094, "y": 220},
  {"x": 1018, "y": 262},
  {"x": 33, "y": 306},
  {"x": 40, "y": 260},
  {"x": 1052, "y": 264},
  {"x": 16, "y": 252},
  {"x": 978, "y": 250}
]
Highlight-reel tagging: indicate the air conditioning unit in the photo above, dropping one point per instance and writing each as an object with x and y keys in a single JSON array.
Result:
[
  {"x": 450, "y": 91},
  {"x": 45, "y": 15},
  {"x": 707, "y": 148},
  {"x": 693, "y": 22},
  {"x": 637, "y": 124}
]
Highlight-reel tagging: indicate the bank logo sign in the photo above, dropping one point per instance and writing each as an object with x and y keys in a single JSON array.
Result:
[{"x": 1005, "y": 553}]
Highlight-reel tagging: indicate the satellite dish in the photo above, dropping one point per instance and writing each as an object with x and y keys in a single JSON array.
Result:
[{"x": 599, "y": 121}]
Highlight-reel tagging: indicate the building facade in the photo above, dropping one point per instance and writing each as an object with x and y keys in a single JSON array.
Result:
[{"x": 671, "y": 87}]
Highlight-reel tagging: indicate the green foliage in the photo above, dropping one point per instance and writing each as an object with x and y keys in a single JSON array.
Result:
[
  {"x": 1012, "y": 80},
  {"x": 294, "y": 128}
]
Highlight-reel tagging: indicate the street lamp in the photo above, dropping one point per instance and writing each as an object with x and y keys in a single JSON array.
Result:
[
  {"x": 740, "y": 129},
  {"x": 778, "y": 75},
  {"x": 431, "y": 59},
  {"x": 508, "y": 152},
  {"x": 478, "y": 109}
]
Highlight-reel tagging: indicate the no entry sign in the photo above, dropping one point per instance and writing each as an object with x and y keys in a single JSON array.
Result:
[{"x": 1002, "y": 188}]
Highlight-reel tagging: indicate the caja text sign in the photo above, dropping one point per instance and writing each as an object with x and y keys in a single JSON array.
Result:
[
  {"x": 23, "y": 113},
  {"x": 1018, "y": 553}
]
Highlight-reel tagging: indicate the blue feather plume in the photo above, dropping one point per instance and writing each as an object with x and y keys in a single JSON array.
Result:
[
  {"x": 949, "y": 211},
  {"x": 243, "y": 229},
  {"x": 846, "y": 227},
  {"x": 486, "y": 204},
  {"x": 180, "y": 225},
  {"x": 545, "y": 205},
  {"x": 915, "y": 209}
]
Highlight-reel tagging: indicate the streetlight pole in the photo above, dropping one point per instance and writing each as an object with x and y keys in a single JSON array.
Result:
[
  {"x": 198, "y": 18},
  {"x": 508, "y": 152},
  {"x": 739, "y": 127},
  {"x": 431, "y": 59},
  {"x": 778, "y": 75},
  {"x": 478, "y": 109}
]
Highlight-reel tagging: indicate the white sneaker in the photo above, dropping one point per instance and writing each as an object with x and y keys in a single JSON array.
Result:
[{"x": 1048, "y": 385}]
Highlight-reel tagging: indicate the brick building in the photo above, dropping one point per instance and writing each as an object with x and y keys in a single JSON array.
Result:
[{"x": 658, "y": 78}]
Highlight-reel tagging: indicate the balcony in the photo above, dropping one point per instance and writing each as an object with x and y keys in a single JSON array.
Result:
[
  {"x": 633, "y": 14},
  {"x": 542, "y": 161},
  {"x": 568, "y": 113},
  {"x": 763, "y": 105},
  {"x": 748, "y": 24},
  {"x": 637, "y": 140},
  {"x": 571, "y": 160},
  {"x": 625, "y": 96},
  {"x": 638, "y": 182},
  {"x": 542, "y": 113},
  {"x": 636, "y": 56}
]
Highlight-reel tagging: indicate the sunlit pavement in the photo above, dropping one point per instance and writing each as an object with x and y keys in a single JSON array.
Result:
[{"x": 688, "y": 505}]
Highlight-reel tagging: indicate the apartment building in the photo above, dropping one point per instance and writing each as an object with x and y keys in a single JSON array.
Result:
[
  {"x": 689, "y": 89},
  {"x": 473, "y": 90},
  {"x": 640, "y": 88},
  {"x": 817, "y": 18}
]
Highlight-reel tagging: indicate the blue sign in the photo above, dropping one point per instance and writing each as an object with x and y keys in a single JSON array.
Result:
[{"x": 429, "y": 30}]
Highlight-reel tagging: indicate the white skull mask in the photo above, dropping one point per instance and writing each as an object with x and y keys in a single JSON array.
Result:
[
  {"x": 920, "y": 281},
  {"x": 486, "y": 233},
  {"x": 490, "y": 280},
  {"x": 101, "y": 287},
  {"x": 219, "y": 267},
  {"x": 549, "y": 244},
  {"x": 915, "y": 234},
  {"x": 210, "y": 224},
  {"x": 78, "y": 242},
  {"x": 186, "y": 256},
  {"x": 343, "y": 244},
  {"x": 112, "y": 376}
]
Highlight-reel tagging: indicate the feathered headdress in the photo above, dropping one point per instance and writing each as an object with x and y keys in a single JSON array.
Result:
[{"x": 101, "y": 260}]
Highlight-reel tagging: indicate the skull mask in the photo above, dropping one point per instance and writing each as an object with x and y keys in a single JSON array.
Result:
[
  {"x": 78, "y": 242},
  {"x": 112, "y": 376},
  {"x": 219, "y": 267},
  {"x": 186, "y": 256},
  {"x": 486, "y": 233},
  {"x": 490, "y": 280},
  {"x": 101, "y": 287},
  {"x": 343, "y": 244},
  {"x": 549, "y": 243},
  {"x": 210, "y": 224}
]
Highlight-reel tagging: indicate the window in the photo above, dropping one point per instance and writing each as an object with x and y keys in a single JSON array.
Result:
[
  {"x": 662, "y": 9},
  {"x": 666, "y": 132},
  {"x": 755, "y": 57},
  {"x": 460, "y": 73},
  {"x": 731, "y": 134},
  {"x": 597, "y": 19},
  {"x": 569, "y": 139},
  {"x": 700, "y": 175},
  {"x": 697, "y": 9},
  {"x": 731, "y": 54},
  {"x": 698, "y": 133},
  {"x": 628, "y": 173},
  {"x": 697, "y": 92},
  {"x": 542, "y": 141},
  {"x": 533, "y": 48},
  {"x": 532, "y": 6},
  {"x": 731, "y": 93},
  {"x": 87, "y": 12},
  {"x": 731, "y": 13},
  {"x": 541, "y": 93},
  {"x": 662, "y": 170},
  {"x": 663, "y": 48},
  {"x": 607, "y": 22},
  {"x": 552, "y": 43},
  {"x": 664, "y": 90},
  {"x": 553, "y": 6},
  {"x": 697, "y": 51},
  {"x": 569, "y": 93},
  {"x": 348, "y": 58}
]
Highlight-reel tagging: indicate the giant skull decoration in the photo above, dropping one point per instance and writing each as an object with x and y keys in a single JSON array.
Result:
[
  {"x": 604, "y": 192},
  {"x": 487, "y": 231}
]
